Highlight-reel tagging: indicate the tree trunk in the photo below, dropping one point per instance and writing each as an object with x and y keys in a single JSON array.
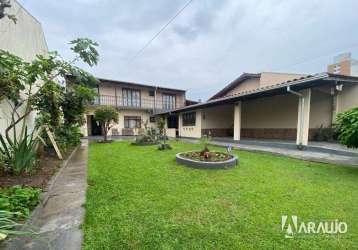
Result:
[{"x": 104, "y": 131}]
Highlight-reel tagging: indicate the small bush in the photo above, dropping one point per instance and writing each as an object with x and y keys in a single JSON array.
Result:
[
  {"x": 19, "y": 200},
  {"x": 144, "y": 140},
  {"x": 163, "y": 146},
  {"x": 347, "y": 128}
]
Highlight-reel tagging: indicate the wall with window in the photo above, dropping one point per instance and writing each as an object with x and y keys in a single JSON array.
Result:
[
  {"x": 190, "y": 124},
  {"x": 130, "y": 95},
  {"x": 118, "y": 127}
]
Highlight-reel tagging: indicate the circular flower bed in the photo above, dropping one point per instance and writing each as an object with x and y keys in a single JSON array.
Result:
[{"x": 208, "y": 160}]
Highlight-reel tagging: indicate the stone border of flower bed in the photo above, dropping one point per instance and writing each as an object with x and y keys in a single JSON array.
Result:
[{"x": 207, "y": 165}]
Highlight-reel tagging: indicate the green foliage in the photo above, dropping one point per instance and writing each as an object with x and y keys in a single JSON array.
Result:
[
  {"x": 86, "y": 49},
  {"x": 12, "y": 76},
  {"x": 3, "y": 5},
  {"x": 347, "y": 127},
  {"x": 68, "y": 136},
  {"x": 48, "y": 102},
  {"x": 105, "y": 115},
  {"x": 19, "y": 156},
  {"x": 75, "y": 102},
  {"x": 20, "y": 200},
  {"x": 162, "y": 134}
]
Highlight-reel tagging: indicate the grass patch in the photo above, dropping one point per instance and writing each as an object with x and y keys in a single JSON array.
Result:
[{"x": 140, "y": 198}]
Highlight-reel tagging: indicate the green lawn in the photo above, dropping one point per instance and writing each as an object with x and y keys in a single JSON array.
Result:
[{"x": 140, "y": 198}]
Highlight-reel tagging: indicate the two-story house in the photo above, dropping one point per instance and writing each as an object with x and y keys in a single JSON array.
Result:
[{"x": 136, "y": 104}]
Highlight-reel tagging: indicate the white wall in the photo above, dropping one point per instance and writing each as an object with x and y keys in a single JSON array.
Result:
[
  {"x": 24, "y": 39},
  {"x": 191, "y": 131}
]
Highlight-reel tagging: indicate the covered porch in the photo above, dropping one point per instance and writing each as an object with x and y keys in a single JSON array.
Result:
[{"x": 297, "y": 111}]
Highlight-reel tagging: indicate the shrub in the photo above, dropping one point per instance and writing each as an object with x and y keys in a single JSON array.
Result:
[
  {"x": 162, "y": 134},
  {"x": 347, "y": 128},
  {"x": 68, "y": 136},
  {"x": 19, "y": 200}
]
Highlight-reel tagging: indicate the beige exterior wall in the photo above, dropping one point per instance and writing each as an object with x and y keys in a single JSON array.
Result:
[
  {"x": 218, "y": 117},
  {"x": 344, "y": 68},
  {"x": 171, "y": 132},
  {"x": 120, "y": 125},
  {"x": 191, "y": 131},
  {"x": 26, "y": 40},
  {"x": 113, "y": 89},
  {"x": 271, "y": 78},
  {"x": 270, "y": 112},
  {"x": 281, "y": 111},
  {"x": 321, "y": 109},
  {"x": 347, "y": 98},
  {"x": 266, "y": 79},
  {"x": 246, "y": 85}
]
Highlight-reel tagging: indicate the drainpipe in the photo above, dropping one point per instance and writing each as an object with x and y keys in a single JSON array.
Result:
[{"x": 300, "y": 96}]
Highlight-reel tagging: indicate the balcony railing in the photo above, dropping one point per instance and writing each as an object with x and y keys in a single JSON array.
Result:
[{"x": 136, "y": 103}]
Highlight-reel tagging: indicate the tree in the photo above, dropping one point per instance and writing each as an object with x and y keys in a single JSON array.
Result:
[
  {"x": 18, "y": 79},
  {"x": 28, "y": 87},
  {"x": 106, "y": 115},
  {"x": 347, "y": 127}
]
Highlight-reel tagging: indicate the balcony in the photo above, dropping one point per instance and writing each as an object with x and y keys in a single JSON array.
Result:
[{"x": 136, "y": 103}]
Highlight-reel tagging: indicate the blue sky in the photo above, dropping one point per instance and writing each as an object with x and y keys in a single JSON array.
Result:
[{"x": 209, "y": 44}]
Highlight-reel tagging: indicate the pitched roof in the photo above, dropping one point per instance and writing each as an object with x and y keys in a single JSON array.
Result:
[
  {"x": 276, "y": 89},
  {"x": 235, "y": 83},
  {"x": 103, "y": 80}
]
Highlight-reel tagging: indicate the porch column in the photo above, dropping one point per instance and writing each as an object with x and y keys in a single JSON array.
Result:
[
  {"x": 303, "y": 121},
  {"x": 237, "y": 121}
]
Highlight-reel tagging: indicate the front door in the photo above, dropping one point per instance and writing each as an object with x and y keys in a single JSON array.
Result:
[{"x": 95, "y": 126}]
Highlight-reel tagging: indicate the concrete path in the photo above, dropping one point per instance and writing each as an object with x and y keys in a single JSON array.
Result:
[
  {"x": 307, "y": 154},
  {"x": 59, "y": 217}
]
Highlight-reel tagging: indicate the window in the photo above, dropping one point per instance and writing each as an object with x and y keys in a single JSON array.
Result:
[
  {"x": 152, "y": 119},
  {"x": 189, "y": 119},
  {"x": 151, "y": 92},
  {"x": 337, "y": 69},
  {"x": 168, "y": 101},
  {"x": 132, "y": 122},
  {"x": 131, "y": 97}
]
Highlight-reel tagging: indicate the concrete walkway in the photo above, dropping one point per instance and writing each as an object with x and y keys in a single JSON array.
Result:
[
  {"x": 318, "y": 154},
  {"x": 59, "y": 217}
]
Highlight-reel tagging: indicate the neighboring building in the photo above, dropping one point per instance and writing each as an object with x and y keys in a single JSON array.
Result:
[
  {"x": 270, "y": 106},
  {"x": 136, "y": 103},
  {"x": 24, "y": 39},
  {"x": 344, "y": 64}
]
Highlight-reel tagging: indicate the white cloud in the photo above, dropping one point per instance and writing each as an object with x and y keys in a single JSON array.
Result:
[{"x": 209, "y": 44}]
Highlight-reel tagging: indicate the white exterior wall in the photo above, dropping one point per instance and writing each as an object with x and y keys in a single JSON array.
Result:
[
  {"x": 191, "y": 131},
  {"x": 24, "y": 39}
]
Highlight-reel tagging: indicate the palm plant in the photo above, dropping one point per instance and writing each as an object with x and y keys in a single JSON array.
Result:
[{"x": 20, "y": 154}]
